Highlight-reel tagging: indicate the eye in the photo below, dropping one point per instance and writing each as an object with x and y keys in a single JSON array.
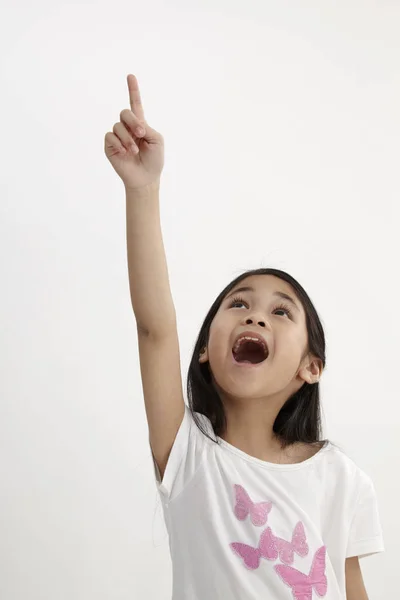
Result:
[
  {"x": 237, "y": 300},
  {"x": 281, "y": 307}
]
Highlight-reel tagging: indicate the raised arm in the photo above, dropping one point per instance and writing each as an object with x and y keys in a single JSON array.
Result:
[{"x": 150, "y": 291}]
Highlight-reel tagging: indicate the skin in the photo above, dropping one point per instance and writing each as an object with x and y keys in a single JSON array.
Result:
[
  {"x": 252, "y": 398},
  {"x": 355, "y": 588}
]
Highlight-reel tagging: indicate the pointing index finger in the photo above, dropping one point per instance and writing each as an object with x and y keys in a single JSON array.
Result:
[{"x": 134, "y": 97}]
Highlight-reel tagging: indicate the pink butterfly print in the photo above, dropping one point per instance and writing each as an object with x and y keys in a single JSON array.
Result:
[
  {"x": 287, "y": 549},
  {"x": 303, "y": 585},
  {"x": 244, "y": 506},
  {"x": 252, "y": 556}
]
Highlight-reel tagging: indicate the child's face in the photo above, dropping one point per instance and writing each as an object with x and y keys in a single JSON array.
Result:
[{"x": 284, "y": 371}]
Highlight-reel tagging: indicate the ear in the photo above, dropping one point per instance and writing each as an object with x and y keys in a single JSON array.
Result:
[
  {"x": 311, "y": 371},
  {"x": 203, "y": 356}
]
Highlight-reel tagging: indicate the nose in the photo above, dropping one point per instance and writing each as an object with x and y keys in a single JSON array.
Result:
[
  {"x": 260, "y": 322},
  {"x": 250, "y": 321}
]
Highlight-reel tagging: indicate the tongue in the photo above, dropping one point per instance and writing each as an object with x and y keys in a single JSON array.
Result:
[{"x": 239, "y": 359}]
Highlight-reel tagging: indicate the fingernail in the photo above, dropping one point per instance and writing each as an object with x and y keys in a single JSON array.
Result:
[{"x": 139, "y": 131}]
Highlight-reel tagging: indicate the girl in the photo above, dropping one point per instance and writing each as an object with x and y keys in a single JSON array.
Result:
[{"x": 256, "y": 505}]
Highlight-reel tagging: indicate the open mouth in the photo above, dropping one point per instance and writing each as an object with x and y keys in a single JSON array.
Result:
[{"x": 250, "y": 352}]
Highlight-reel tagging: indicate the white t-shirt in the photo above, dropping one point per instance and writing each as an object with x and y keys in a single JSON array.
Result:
[{"x": 242, "y": 528}]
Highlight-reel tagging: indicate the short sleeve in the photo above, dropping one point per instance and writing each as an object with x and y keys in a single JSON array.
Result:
[
  {"x": 366, "y": 536},
  {"x": 184, "y": 459}
]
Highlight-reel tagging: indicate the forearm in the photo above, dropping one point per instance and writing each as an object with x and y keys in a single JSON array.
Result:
[{"x": 150, "y": 290}]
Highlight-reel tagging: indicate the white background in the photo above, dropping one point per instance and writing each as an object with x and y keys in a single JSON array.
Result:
[{"x": 281, "y": 126}]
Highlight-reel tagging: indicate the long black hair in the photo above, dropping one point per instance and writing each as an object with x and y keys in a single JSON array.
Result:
[{"x": 299, "y": 419}]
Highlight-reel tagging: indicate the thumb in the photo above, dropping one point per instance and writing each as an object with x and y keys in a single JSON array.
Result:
[{"x": 151, "y": 136}]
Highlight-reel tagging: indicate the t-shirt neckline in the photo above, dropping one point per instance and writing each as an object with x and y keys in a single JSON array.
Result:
[{"x": 277, "y": 466}]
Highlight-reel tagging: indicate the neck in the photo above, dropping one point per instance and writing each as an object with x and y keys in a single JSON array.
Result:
[{"x": 250, "y": 428}]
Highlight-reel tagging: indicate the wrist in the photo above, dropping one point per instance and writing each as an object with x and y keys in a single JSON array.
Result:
[{"x": 144, "y": 191}]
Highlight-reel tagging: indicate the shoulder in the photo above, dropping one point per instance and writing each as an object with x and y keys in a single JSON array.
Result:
[
  {"x": 200, "y": 424},
  {"x": 345, "y": 468}
]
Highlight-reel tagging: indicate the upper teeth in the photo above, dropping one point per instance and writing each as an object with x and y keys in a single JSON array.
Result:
[{"x": 251, "y": 339}]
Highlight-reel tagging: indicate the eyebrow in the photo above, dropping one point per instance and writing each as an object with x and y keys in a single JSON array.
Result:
[{"x": 247, "y": 288}]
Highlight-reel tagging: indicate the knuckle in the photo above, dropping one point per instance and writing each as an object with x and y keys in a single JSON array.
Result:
[{"x": 126, "y": 114}]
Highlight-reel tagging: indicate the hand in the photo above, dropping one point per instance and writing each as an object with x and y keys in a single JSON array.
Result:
[{"x": 136, "y": 169}]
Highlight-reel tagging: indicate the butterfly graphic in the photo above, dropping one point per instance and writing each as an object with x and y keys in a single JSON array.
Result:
[
  {"x": 252, "y": 556},
  {"x": 245, "y": 506},
  {"x": 271, "y": 546},
  {"x": 303, "y": 585},
  {"x": 287, "y": 549}
]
